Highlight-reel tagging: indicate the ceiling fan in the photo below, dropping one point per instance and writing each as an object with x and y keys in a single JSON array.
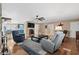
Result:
[{"x": 39, "y": 18}]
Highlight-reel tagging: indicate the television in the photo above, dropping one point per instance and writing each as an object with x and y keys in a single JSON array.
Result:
[{"x": 31, "y": 25}]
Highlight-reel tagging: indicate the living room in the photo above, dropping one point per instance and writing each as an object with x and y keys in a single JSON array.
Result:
[{"x": 38, "y": 21}]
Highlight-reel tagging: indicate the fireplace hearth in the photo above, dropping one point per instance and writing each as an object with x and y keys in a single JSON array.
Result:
[{"x": 31, "y": 32}]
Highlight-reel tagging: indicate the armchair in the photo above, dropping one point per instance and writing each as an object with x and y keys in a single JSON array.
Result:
[
  {"x": 18, "y": 37},
  {"x": 53, "y": 44}
]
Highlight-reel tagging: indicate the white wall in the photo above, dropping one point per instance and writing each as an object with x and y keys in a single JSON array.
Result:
[
  {"x": 50, "y": 30},
  {"x": 74, "y": 26}
]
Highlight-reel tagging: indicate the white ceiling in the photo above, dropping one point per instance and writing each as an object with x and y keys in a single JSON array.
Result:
[{"x": 51, "y": 11}]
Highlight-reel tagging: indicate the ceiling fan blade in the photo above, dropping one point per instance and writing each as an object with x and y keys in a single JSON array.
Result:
[{"x": 39, "y": 18}]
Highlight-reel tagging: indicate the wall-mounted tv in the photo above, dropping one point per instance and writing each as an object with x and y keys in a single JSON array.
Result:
[{"x": 31, "y": 25}]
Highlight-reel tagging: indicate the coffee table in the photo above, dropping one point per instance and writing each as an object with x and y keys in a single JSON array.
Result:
[{"x": 39, "y": 38}]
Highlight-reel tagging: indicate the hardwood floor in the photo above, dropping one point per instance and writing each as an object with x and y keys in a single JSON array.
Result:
[
  {"x": 17, "y": 50},
  {"x": 69, "y": 47}
]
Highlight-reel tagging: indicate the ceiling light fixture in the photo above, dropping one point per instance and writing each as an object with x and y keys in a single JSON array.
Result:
[{"x": 39, "y": 18}]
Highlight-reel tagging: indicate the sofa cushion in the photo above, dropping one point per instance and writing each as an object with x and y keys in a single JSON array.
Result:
[
  {"x": 47, "y": 45},
  {"x": 33, "y": 47}
]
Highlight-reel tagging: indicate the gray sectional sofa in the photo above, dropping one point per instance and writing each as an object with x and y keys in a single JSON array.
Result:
[{"x": 44, "y": 46}]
